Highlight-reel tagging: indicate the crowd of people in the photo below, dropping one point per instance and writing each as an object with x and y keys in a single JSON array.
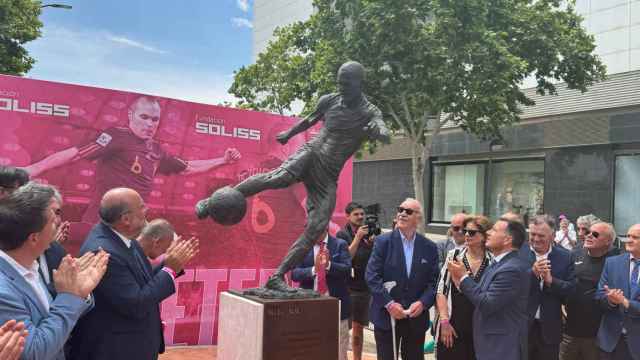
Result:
[
  {"x": 498, "y": 290},
  {"x": 104, "y": 304}
]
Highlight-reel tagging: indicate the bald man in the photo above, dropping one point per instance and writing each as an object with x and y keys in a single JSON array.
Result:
[
  {"x": 125, "y": 323},
  {"x": 409, "y": 261},
  {"x": 455, "y": 237},
  {"x": 619, "y": 296},
  {"x": 129, "y": 156}
]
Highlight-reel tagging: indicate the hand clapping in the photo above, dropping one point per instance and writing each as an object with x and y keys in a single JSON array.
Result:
[
  {"x": 80, "y": 276},
  {"x": 180, "y": 253},
  {"x": 12, "y": 340}
]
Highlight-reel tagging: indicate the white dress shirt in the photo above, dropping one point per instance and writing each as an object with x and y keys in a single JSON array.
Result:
[
  {"x": 538, "y": 258},
  {"x": 32, "y": 277}
]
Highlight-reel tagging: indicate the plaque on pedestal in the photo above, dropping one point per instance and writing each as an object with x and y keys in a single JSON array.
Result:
[{"x": 252, "y": 328}]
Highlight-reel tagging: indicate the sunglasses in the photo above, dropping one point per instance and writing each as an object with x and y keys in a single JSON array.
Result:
[
  {"x": 595, "y": 234},
  {"x": 405, "y": 210},
  {"x": 471, "y": 233},
  {"x": 456, "y": 228}
]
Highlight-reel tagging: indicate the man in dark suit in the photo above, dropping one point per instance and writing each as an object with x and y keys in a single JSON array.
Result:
[
  {"x": 331, "y": 256},
  {"x": 500, "y": 299},
  {"x": 409, "y": 260},
  {"x": 553, "y": 279},
  {"x": 125, "y": 323},
  {"x": 619, "y": 295}
]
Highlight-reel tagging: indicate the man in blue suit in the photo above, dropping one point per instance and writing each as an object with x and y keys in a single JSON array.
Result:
[
  {"x": 409, "y": 260},
  {"x": 28, "y": 225},
  {"x": 553, "y": 279},
  {"x": 125, "y": 323},
  {"x": 619, "y": 295},
  {"x": 330, "y": 255},
  {"x": 500, "y": 299}
]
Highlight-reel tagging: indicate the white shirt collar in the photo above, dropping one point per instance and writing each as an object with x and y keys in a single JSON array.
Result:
[
  {"x": 127, "y": 242},
  {"x": 404, "y": 239},
  {"x": 19, "y": 268},
  {"x": 498, "y": 258},
  {"x": 543, "y": 256}
]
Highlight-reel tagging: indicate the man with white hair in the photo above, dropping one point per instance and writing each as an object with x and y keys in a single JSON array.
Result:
[{"x": 410, "y": 262}]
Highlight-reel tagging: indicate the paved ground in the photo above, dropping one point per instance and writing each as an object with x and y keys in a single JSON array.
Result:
[{"x": 209, "y": 352}]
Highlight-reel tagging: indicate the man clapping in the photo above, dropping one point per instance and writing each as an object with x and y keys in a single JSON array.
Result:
[{"x": 28, "y": 225}]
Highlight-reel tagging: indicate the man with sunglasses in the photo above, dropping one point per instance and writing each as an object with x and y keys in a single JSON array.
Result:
[
  {"x": 455, "y": 238},
  {"x": 619, "y": 296},
  {"x": 553, "y": 278},
  {"x": 129, "y": 156},
  {"x": 408, "y": 261},
  {"x": 583, "y": 311}
]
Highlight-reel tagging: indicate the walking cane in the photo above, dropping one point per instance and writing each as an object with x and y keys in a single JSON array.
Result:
[{"x": 388, "y": 286}]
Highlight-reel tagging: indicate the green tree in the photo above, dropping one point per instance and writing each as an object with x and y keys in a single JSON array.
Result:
[
  {"x": 19, "y": 24},
  {"x": 429, "y": 62}
]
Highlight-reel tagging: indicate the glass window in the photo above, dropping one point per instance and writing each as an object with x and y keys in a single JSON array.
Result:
[
  {"x": 517, "y": 186},
  {"x": 627, "y": 192},
  {"x": 457, "y": 188}
]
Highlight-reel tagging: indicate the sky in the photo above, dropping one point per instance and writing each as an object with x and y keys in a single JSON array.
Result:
[{"x": 185, "y": 49}]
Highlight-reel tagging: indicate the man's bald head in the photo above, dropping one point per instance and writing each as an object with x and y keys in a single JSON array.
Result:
[
  {"x": 456, "y": 228},
  {"x": 124, "y": 210}
]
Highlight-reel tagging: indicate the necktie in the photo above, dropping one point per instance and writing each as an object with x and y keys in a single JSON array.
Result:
[
  {"x": 321, "y": 273},
  {"x": 634, "y": 275}
]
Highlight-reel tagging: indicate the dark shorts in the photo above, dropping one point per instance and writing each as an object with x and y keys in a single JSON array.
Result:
[{"x": 360, "y": 302}]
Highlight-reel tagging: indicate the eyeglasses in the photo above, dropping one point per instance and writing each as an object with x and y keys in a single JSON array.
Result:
[
  {"x": 471, "y": 232},
  {"x": 456, "y": 228},
  {"x": 405, "y": 210},
  {"x": 595, "y": 234}
]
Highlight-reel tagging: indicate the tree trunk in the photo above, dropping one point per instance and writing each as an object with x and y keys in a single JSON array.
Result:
[{"x": 417, "y": 170}]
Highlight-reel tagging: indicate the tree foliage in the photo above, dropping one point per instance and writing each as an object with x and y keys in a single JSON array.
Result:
[
  {"x": 19, "y": 24},
  {"x": 428, "y": 61}
]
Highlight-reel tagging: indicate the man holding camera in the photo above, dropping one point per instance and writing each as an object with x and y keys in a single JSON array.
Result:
[{"x": 356, "y": 234}]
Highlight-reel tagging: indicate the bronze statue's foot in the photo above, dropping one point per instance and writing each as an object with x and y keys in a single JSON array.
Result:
[{"x": 277, "y": 283}]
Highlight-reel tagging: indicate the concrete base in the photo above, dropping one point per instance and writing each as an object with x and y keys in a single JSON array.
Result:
[{"x": 252, "y": 328}]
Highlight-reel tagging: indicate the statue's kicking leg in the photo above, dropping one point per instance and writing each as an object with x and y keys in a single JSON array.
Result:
[
  {"x": 276, "y": 179},
  {"x": 321, "y": 200}
]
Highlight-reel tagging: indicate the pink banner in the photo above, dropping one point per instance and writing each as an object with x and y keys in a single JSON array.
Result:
[{"x": 86, "y": 140}]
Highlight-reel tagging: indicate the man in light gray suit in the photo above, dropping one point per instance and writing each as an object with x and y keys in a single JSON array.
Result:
[
  {"x": 500, "y": 299},
  {"x": 28, "y": 224}
]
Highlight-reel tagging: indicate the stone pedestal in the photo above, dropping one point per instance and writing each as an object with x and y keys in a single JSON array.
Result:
[{"x": 251, "y": 328}]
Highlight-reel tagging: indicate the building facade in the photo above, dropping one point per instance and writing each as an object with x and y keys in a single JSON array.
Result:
[{"x": 572, "y": 154}]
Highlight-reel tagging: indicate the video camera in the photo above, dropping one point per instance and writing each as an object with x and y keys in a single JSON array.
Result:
[{"x": 372, "y": 219}]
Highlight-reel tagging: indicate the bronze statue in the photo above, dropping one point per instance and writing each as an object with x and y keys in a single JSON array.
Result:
[{"x": 349, "y": 120}]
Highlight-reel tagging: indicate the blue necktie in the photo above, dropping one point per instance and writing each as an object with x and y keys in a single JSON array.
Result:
[{"x": 634, "y": 275}]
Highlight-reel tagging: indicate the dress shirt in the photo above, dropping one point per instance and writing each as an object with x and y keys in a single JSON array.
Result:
[
  {"x": 32, "y": 277},
  {"x": 538, "y": 258},
  {"x": 407, "y": 246},
  {"x": 127, "y": 242}
]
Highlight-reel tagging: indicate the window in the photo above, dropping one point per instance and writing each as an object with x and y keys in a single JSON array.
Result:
[
  {"x": 517, "y": 186},
  {"x": 627, "y": 192},
  {"x": 457, "y": 188}
]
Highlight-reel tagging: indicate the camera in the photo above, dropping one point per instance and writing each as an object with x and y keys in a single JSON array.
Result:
[{"x": 372, "y": 219}]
